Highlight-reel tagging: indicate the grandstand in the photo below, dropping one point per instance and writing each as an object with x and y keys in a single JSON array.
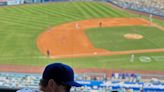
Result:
[
  {"x": 155, "y": 7},
  {"x": 91, "y": 81}
]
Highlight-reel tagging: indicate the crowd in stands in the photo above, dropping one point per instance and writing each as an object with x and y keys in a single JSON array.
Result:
[
  {"x": 18, "y": 80},
  {"x": 92, "y": 76},
  {"x": 155, "y": 7},
  {"x": 126, "y": 77},
  {"x": 93, "y": 82}
]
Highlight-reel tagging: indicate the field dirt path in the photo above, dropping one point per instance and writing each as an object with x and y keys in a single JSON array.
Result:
[
  {"x": 69, "y": 39},
  {"x": 39, "y": 69}
]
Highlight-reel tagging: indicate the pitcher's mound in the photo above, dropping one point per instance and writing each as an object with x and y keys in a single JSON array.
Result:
[{"x": 133, "y": 36}]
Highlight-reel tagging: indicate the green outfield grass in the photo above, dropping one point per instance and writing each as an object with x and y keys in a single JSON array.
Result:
[
  {"x": 21, "y": 25},
  {"x": 159, "y": 22},
  {"x": 113, "y": 38},
  {"x": 146, "y": 61}
]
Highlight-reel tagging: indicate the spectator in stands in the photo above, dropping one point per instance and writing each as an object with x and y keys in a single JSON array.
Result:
[{"x": 57, "y": 77}]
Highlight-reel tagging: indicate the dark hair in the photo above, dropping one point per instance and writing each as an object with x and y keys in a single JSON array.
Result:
[{"x": 44, "y": 83}]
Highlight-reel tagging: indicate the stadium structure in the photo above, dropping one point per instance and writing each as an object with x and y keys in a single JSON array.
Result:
[{"x": 113, "y": 45}]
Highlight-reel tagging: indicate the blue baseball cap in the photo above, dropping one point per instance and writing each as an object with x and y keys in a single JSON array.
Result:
[{"x": 61, "y": 73}]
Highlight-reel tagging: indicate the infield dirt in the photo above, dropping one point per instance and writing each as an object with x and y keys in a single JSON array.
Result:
[{"x": 70, "y": 40}]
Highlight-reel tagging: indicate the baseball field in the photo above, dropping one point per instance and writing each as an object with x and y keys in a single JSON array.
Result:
[{"x": 72, "y": 33}]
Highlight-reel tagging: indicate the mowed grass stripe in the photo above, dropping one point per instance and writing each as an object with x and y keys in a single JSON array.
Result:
[
  {"x": 117, "y": 13},
  {"x": 22, "y": 18},
  {"x": 38, "y": 12},
  {"x": 80, "y": 10},
  {"x": 20, "y": 22},
  {"x": 6, "y": 38},
  {"x": 27, "y": 21},
  {"x": 26, "y": 17},
  {"x": 61, "y": 13},
  {"x": 87, "y": 10},
  {"x": 92, "y": 9},
  {"x": 71, "y": 10},
  {"x": 105, "y": 11},
  {"x": 74, "y": 9},
  {"x": 110, "y": 12},
  {"x": 53, "y": 12}
]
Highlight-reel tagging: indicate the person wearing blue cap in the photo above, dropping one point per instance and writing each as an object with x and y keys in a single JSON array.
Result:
[{"x": 57, "y": 77}]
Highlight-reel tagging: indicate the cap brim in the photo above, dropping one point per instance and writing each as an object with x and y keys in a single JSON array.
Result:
[{"x": 73, "y": 83}]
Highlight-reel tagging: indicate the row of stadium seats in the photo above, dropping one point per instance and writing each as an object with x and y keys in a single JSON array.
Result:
[
  {"x": 155, "y": 7},
  {"x": 91, "y": 83}
]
